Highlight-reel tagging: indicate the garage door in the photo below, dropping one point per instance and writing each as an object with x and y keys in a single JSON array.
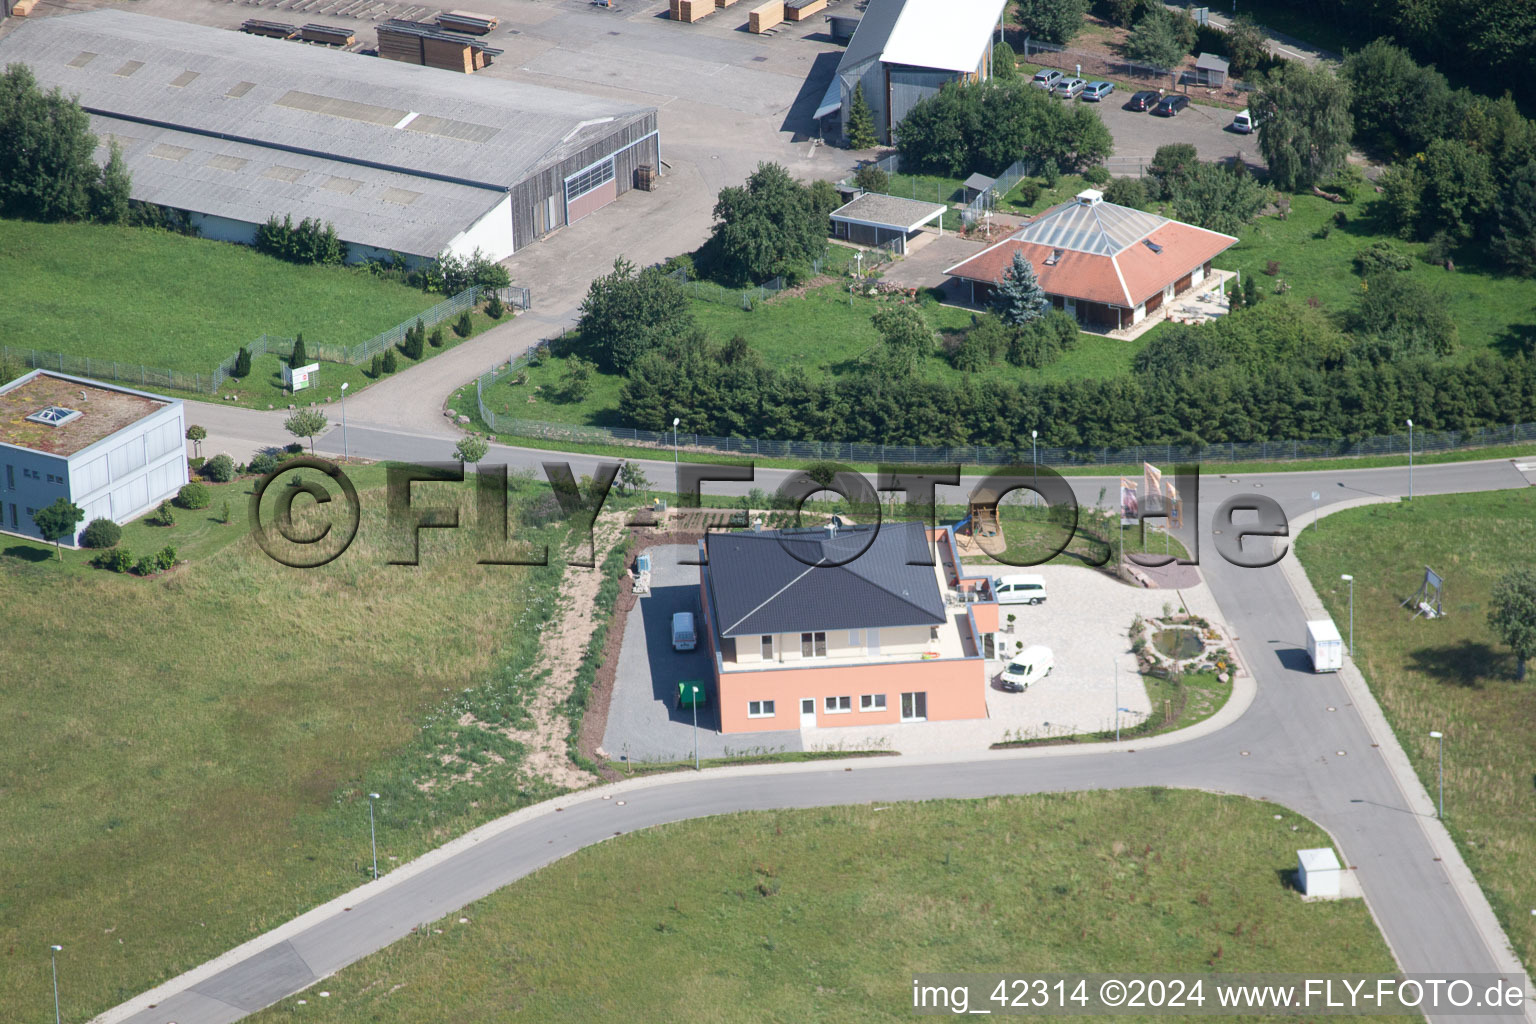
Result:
[{"x": 590, "y": 189}]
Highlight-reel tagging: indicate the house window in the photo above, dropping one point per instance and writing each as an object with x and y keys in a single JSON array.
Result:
[
  {"x": 759, "y": 709},
  {"x": 872, "y": 702},
  {"x": 839, "y": 705},
  {"x": 768, "y": 647},
  {"x": 10, "y": 477},
  {"x": 855, "y": 638},
  {"x": 914, "y": 707},
  {"x": 813, "y": 645}
]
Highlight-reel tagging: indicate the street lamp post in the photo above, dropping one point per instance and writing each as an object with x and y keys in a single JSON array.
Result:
[
  {"x": 1441, "y": 737},
  {"x": 1410, "y": 460},
  {"x": 1315, "y": 499},
  {"x": 1347, "y": 578},
  {"x": 695, "y": 728},
  {"x": 1034, "y": 458},
  {"x": 344, "y": 420},
  {"x": 53, "y": 955},
  {"x": 675, "y": 421},
  {"x": 1117, "y": 700},
  {"x": 373, "y": 836}
]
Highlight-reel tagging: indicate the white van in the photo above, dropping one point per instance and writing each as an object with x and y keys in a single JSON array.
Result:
[
  {"x": 1243, "y": 122},
  {"x": 683, "y": 636},
  {"x": 1020, "y": 589},
  {"x": 1030, "y": 665}
]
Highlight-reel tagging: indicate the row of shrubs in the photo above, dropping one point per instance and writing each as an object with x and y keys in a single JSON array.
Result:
[{"x": 122, "y": 560}]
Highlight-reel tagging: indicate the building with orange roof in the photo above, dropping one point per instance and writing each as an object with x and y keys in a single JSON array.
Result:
[{"x": 1110, "y": 266}]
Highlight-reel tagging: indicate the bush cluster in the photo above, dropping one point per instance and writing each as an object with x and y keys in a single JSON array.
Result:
[
  {"x": 310, "y": 241},
  {"x": 101, "y": 533},
  {"x": 220, "y": 469},
  {"x": 193, "y": 495}
]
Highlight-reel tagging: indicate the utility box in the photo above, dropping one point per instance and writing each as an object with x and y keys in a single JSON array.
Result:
[
  {"x": 1324, "y": 646},
  {"x": 1318, "y": 872}
]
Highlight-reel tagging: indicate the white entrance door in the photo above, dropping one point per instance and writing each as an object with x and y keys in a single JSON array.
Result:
[{"x": 807, "y": 712}]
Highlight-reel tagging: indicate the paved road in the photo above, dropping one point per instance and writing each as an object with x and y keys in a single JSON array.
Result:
[{"x": 1335, "y": 767}]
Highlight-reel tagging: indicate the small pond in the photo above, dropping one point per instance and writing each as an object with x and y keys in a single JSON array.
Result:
[{"x": 1178, "y": 643}]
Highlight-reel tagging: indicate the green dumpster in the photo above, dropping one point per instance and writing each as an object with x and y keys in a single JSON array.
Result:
[{"x": 692, "y": 693}]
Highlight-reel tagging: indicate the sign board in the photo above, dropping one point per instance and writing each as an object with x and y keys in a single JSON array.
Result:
[
  {"x": 1129, "y": 507},
  {"x": 297, "y": 378}
]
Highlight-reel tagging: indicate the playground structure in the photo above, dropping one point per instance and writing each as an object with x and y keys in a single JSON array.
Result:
[
  {"x": 980, "y": 521},
  {"x": 1426, "y": 600}
]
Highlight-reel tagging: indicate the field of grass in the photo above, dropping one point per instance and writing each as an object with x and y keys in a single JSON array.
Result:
[
  {"x": 184, "y": 759},
  {"x": 175, "y": 302},
  {"x": 1450, "y": 675},
  {"x": 826, "y": 914},
  {"x": 1490, "y": 310}
]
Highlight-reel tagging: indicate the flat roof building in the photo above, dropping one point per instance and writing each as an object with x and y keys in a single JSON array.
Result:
[
  {"x": 113, "y": 451},
  {"x": 234, "y": 128}
]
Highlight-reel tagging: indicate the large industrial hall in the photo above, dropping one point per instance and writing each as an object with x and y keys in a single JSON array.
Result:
[{"x": 234, "y": 128}]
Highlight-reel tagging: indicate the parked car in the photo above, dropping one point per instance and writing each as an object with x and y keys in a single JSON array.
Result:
[
  {"x": 1020, "y": 588},
  {"x": 1098, "y": 90},
  {"x": 1045, "y": 78},
  {"x": 1244, "y": 122},
  {"x": 683, "y": 636},
  {"x": 1067, "y": 88},
  {"x": 1144, "y": 100},
  {"x": 1169, "y": 106},
  {"x": 1030, "y": 666}
]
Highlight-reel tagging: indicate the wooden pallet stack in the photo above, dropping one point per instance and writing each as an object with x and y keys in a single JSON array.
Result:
[
  {"x": 691, "y": 10},
  {"x": 799, "y": 10},
  {"x": 467, "y": 21},
  {"x": 645, "y": 177},
  {"x": 327, "y": 34},
  {"x": 765, "y": 17},
  {"x": 450, "y": 56},
  {"x": 270, "y": 29},
  {"x": 397, "y": 45}
]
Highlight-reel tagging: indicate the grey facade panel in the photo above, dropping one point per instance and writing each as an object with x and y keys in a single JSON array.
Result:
[
  {"x": 533, "y": 193},
  {"x": 910, "y": 86}
]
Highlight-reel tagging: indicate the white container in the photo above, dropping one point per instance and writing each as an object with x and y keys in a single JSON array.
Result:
[
  {"x": 1318, "y": 872},
  {"x": 1324, "y": 646}
]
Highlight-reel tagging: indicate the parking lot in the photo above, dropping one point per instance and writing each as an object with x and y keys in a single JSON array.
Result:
[{"x": 644, "y": 722}]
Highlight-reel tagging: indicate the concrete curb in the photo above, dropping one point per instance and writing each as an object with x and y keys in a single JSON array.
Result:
[{"x": 1408, "y": 783}]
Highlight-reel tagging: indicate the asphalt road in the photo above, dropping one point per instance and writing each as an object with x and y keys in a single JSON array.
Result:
[{"x": 1287, "y": 747}]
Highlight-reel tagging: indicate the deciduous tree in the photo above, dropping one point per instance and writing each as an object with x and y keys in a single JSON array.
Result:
[
  {"x": 1513, "y": 614},
  {"x": 767, "y": 227},
  {"x": 626, "y": 314},
  {"x": 57, "y": 521},
  {"x": 1055, "y": 21},
  {"x": 470, "y": 449},
  {"x": 306, "y": 423},
  {"x": 1305, "y": 125}
]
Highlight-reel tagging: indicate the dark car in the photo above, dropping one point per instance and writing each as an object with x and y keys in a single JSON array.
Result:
[
  {"x": 1144, "y": 100},
  {"x": 1170, "y": 106}
]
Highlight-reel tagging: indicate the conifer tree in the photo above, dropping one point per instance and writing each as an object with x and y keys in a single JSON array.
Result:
[
  {"x": 861, "y": 122},
  {"x": 1018, "y": 298}
]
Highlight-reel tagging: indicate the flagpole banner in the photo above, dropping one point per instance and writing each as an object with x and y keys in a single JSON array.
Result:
[{"x": 1129, "y": 507}]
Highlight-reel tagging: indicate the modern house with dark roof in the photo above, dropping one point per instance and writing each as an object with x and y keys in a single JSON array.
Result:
[
  {"x": 851, "y": 625},
  {"x": 905, "y": 50},
  {"x": 1109, "y": 266},
  {"x": 233, "y": 128},
  {"x": 113, "y": 451}
]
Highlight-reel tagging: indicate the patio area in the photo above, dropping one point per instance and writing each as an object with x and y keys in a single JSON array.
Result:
[{"x": 1195, "y": 305}]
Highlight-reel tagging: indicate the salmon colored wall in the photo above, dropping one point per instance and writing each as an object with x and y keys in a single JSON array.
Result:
[
  {"x": 986, "y": 617},
  {"x": 956, "y": 689}
]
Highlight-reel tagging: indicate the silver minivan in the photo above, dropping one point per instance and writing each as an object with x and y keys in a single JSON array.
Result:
[
  {"x": 1045, "y": 78},
  {"x": 1068, "y": 88},
  {"x": 683, "y": 636}
]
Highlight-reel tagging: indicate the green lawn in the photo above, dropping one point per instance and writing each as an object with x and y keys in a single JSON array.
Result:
[
  {"x": 175, "y": 302},
  {"x": 826, "y": 914},
  {"x": 1450, "y": 675},
  {"x": 184, "y": 759},
  {"x": 1176, "y": 704},
  {"x": 1489, "y": 309}
]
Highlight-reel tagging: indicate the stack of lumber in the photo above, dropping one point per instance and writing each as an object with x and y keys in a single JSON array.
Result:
[
  {"x": 272, "y": 29},
  {"x": 691, "y": 10},
  {"x": 22, "y": 8},
  {"x": 799, "y": 10},
  {"x": 766, "y": 17},
  {"x": 397, "y": 45},
  {"x": 328, "y": 34},
  {"x": 450, "y": 56},
  {"x": 467, "y": 21},
  {"x": 724, "y": 3},
  {"x": 645, "y": 177}
]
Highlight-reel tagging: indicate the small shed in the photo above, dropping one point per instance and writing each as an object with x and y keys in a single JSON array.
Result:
[
  {"x": 842, "y": 26},
  {"x": 875, "y": 219},
  {"x": 976, "y": 184},
  {"x": 1318, "y": 872},
  {"x": 1210, "y": 70}
]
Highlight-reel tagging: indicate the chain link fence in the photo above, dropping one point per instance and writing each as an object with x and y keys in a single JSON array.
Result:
[{"x": 973, "y": 455}]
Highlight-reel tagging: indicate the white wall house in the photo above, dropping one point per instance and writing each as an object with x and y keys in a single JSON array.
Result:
[{"x": 113, "y": 451}]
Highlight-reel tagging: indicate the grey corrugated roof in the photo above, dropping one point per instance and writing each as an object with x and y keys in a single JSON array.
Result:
[
  {"x": 979, "y": 181},
  {"x": 330, "y": 103},
  {"x": 888, "y": 211},
  {"x": 1210, "y": 62},
  {"x": 758, "y": 586},
  {"x": 400, "y": 212},
  {"x": 1103, "y": 229},
  {"x": 874, "y": 31}
]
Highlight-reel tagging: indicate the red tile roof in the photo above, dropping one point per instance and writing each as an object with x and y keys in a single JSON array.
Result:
[{"x": 1126, "y": 279}]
